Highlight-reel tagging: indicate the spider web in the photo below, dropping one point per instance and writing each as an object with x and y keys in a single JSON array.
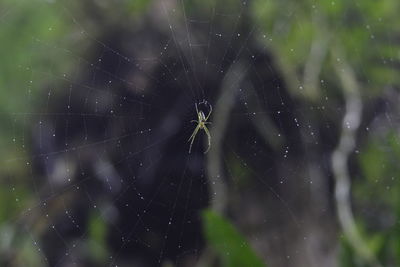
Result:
[
  {"x": 88, "y": 116},
  {"x": 103, "y": 144}
]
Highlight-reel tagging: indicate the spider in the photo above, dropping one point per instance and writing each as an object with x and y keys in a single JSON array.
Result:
[{"x": 201, "y": 124}]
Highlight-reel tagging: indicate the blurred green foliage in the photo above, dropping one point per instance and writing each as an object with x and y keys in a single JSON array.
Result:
[
  {"x": 367, "y": 31},
  {"x": 377, "y": 194},
  {"x": 23, "y": 25},
  {"x": 97, "y": 238},
  {"x": 229, "y": 245}
]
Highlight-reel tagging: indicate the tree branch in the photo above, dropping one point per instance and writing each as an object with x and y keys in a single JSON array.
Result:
[
  {"x": 222, "y": 111},
  {"x": 340, "y": 156}
]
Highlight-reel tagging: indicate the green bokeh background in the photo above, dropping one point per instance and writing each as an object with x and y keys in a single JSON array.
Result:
[{"x": 366, "y": 32}]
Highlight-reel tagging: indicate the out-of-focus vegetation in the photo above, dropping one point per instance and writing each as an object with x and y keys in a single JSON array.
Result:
[
  {"x": 303, "y": 36},
  {"x": 23, "y": 23},
  {"x": 229, "y": 245}
]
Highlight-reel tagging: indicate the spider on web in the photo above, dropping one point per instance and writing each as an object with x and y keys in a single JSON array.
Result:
[{"x": 201, "y": 125}]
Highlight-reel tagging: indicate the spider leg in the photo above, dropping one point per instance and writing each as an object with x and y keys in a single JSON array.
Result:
[
  {"x": 209, "y": 139},
  {"x": 192, "y": 137},
  {"x": 194, "y": 132},
  {"x": 209, "y": 113},
  {"x": 194, "y": 121}
]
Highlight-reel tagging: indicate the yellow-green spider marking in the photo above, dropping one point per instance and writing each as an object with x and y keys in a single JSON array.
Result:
[{"x": 201, "y": 125}]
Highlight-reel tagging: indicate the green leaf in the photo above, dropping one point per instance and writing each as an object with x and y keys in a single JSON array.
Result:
[
  {"x": 97, "y": 238},
  {"x": 228, "y": 243}
]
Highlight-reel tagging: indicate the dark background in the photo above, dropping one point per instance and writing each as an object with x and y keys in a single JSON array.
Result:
[{"x": 96, "y": 103}]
